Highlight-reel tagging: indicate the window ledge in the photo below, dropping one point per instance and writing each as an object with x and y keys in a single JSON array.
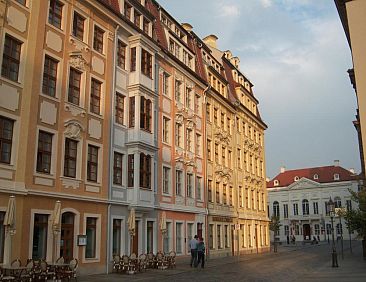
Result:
[
  {"x": 12, "y": 82},
  {"x": 45, "y": 175},
  {"x": 7, "y": 166},
  {"x": 55, "y": 99},
  {"x": 55, "y": 28}
]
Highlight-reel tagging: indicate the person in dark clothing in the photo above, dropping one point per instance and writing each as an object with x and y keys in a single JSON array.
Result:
[
  {"x": 201, "y": 253},
  {"x": 193, "y": 246}
]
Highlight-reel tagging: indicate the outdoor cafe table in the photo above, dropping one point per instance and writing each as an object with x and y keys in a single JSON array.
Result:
[{"x": 15, "y": 271}]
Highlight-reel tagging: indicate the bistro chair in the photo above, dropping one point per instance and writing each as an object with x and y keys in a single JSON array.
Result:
[
  {"x": 117, "y": 263},
  {"x": 160, "y": 260},
  {"x": 70, "y": 273},
  {"x": 60, "y": 260},
  {"x": 28, "y": 274},
  {"x": 4, "y": 277},
  {"x": 151, "y": 263},
  {"x": 142, "y": 262},
  {"x": 133, "y": 262},
  {"x": 171, "y": 259},
  {"x": 45, "y": 273},
  {"x": 125, "y": 263}
]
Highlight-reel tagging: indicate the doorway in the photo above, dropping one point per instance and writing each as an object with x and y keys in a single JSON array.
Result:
[
  {"x": 67, "y": 236},
  {"x": 306, "y": 231},
  {"x": 135, "y": 242}
]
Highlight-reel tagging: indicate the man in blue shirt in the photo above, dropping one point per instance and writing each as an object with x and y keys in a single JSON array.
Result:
[{"x": 193, "y": 246}]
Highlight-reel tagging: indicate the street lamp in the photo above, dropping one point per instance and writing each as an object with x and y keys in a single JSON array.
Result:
[{"x": 334, "y": 251}]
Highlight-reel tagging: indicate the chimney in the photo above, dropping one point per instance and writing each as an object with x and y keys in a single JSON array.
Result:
[
  {"x": 352, "y": 170},
  {"x": 187, "y": 27},
  {"x": 283, "y": 169},
  {"x": 267, "y": 179},
  {"x": 336, "y": 162},
  {"x": 210, "y": 40}
]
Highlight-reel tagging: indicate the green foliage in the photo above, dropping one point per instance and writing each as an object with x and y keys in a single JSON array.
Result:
[
  {"x": 275, "y": 224},
  {"x": 356, "y": 219}
]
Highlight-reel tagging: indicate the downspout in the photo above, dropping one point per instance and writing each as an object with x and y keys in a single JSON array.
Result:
[
  {"x": 111, "y": 141},
  {"x": 206, "y": 164}
]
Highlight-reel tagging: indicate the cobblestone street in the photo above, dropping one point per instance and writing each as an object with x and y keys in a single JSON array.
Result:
[{"x": 291, "y": 263}]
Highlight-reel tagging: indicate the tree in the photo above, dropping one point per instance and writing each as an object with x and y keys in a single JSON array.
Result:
[
  {"x": 274, "y": 226},
  {"x": 356, "y": 219}
]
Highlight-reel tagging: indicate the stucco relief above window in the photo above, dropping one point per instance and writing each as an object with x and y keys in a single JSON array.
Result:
[
  {"x": 73, "y": 129},
  {"x": 77, "y": 61}
]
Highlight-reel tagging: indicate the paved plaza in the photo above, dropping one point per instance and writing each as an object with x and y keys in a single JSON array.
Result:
[{"x": 290, "y": 263}]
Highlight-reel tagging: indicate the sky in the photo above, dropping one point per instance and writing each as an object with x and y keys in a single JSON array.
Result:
[{"x": 296, "y": 54}]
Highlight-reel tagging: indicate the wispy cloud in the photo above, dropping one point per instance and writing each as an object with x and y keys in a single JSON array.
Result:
[
  {"x": 266, "y": 3},
  {"x": 227, "y": 10}
]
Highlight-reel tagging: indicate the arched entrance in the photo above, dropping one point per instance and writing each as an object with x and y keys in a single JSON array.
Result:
[
  {"x": 67, "y": 236},
  {"x": 306, "y": 231}
]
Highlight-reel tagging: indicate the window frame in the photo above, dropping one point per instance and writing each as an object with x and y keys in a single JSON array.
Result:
[
  {"x": 15, "y": 46},
  {"x": 4, "y": 140},
  {"x": 41, "y": 152},
  {"x": 98, "y": 39},
  {"x": 92, "y": 163},
  {"x": 53, "y": 16},
  {"x": 117, "y": 168},
  {"x": 68, "y": 158},
  {"x": 77, "y": 31},
  {"x": 48, "y": 70}
]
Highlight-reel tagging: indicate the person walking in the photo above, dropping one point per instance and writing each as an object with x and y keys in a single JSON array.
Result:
[
  {"x": 193, "y": 246},
  {"x": 201, "y": 253}
]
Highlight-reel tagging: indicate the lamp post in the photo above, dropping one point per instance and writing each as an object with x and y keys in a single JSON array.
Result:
[
  {"x": 341, "y": 212},
  {"x": 334, "y": 251}
]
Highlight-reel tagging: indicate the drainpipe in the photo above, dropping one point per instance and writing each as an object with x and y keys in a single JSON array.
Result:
[
  {"x": 206, "y": 164},
  {"x": 111, "y": 141}
]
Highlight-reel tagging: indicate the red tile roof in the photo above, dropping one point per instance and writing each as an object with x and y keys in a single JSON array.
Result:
[{"x": 325, "y": 175}]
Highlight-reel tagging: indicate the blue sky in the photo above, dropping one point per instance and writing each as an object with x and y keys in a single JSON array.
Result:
[{"x": 296, "y": 55}]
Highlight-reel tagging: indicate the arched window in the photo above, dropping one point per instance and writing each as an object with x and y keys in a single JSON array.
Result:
[
  {"x": 316, "y": 176},
  {"x": 276, "y": 182},
  {"x": 276, "y": 209},
  {"x": 337, "y": 202},
  {"x": 305, "y": 207},
  {"x": 296, "y": 178}
]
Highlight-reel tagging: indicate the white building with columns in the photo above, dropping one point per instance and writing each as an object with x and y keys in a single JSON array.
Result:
[{"x": 300, "y": 196}]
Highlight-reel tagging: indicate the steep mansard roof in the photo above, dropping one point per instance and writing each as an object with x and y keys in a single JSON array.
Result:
[{"x": 324, "y": 174}]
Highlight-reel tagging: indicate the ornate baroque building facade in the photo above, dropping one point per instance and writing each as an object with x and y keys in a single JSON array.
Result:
[{"x": 112, "y": 106}]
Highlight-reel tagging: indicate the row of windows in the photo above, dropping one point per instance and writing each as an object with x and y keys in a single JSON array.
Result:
[
  {"x": 137, "y": 18},
  {"x": 305, "y": 207},
  {"x": 223, "y": 194},
  {"x": 193, "y": 185}
]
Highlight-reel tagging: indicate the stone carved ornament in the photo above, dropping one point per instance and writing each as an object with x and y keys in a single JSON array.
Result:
[
  {"x": 223, "y": 174},
  {"x": 77, "y": 61},
  {"x": 73, "y": 129},
  {"x": 223, "y": 136}
]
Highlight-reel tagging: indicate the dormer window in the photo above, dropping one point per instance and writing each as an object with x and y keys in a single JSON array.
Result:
[
  {"x": 296, "y": 178},
  {"x": 276, "y": 182},
  {"x": 336, "y": 176},
  {"x": 316, "y": 177}
]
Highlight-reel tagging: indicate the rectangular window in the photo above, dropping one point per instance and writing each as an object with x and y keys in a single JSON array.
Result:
[
  {"x": 120, "y": 106},
  {"x": 2, "y": 236},
  {"x": 117, "y": 168},
  {"x": 74, "y": 86},
  {"x": 189, "y": 140},
  {"x": 6, "y": 139},
  {"x": 55, "y": 13},
  {"x": 239, "y": 158},
  {"x": 285, "y": 211},
  {"x": 296, "y": 209},
  {"x": 179, "y": 241},
  {"x": 11, "y": 58},
  {"x": 132, "y": 112},
  {"x": 166, "y": 130},
  {"x": 44, "y": 152},
  {"x": 223, "y": 156},
  {"x": 133, "y": 59},
  {"x": 137, "y": 18},
  {"x": 78, "y": 26},
  {"x": 145, "y": 114},
  {"x": 145, "y": 171},
  {"x": 216, "y": 153},
  {"x": 218, "y": 236},
  {"x": 217, "y": 188},
  {"x": 130, "y": 170},
  {"x": 224, "y": 196},
  {"x": 95, "y": 94},
  {"x": 223, "y": 121},
  {"x": 98, "y": 39},
  {"x": 189, "y": 102},
  {"x": 226, "y": 236},
  {"x": 209, "y": 150},
  {"x": 349, "y": 205},
  {"x": 92, "y": 166},
  {"x": 165, "y": 84},
  {"x": 178, "y": 182},
  {"x": 121, "y": 55},
  {"x": 116, "y": 241},
  {"x": 208, "y": 112},
  {"x": 49, "y": 76},
  {"x": 40, "y": 227},
  {"x": 210, "y": 238},
  {"x": 287, "y": 233},
  {"x": 198, "y": 144},
  {"x": 71, "y": 147},
  {"x": 199, "y": 188},
  {"x": 146, "y": 63},
  {"x": 178, "y": 135},
  {"x": 327, "y": 211},
  {"x": 189, "y": 234},
  {"x": 316, "y": 208},
  {"x": 166, "y": 180},
  {"x": 145, "y": 26},
  {"x": 178, "y": 91},
  {"x": 231, "y": 196},
  {"x": 91, "y": 237},
  {"x": 128, "y": 9},
  {"x": 189, "y": 185},
  {"x": 22, "y": 2},
  {"x": 210, "y": 195},
  {"x": 167, "y": 238},
  {"x": 317, "y": 229}
]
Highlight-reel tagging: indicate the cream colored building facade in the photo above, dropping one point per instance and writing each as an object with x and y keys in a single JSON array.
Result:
[
  {"x": 352, "y": 15},
  {"x": 237, "y": 218}
]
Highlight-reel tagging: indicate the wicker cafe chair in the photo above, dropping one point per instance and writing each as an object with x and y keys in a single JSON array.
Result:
[
  {"x": 142, "y": 262},
  {"x": 150, "y": 260},
  {"x": 160, "y": 260},
  {"x": 171, "y": 259},
  {"x": 133, "y": 262},
  {"x": 125, "y": 263},
  {"x": 45, "y": 272},
  {"x": 70, "y": 273},
  {"x": 60, "y": 260},
  {"x": 16, "y": 263},
  {"x": 117, "y": 263},
  {"x": 28, "y": 274},
  {"x": 4, "y": 277}
]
